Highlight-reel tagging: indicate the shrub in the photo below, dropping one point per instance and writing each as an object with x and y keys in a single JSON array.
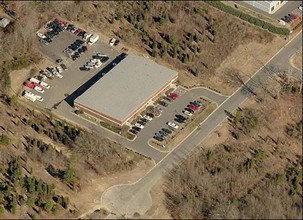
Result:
[{"x": 4, "y": 140}]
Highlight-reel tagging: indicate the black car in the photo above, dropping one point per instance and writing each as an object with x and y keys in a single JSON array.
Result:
[
  {"x": 104, "y": 59},
  {"x": 59, "y": 61},
  {"x": 63, "y": 66},
  {"x": 133, "y": 131},
  {"x": 163, "y": 103},
  {"x": 163, "y": 133},
  {"x": 179, "y": 120},
  {"x": 143, "y": 119},
  {"x": 150, "y": 115},
  {"x": 141, "y": 122},
  {"x": 189, "y": 110},
  {"x": 167, "y": 130},
  {"x": 181, "y": 117},
  {"x": 136, "y": 128},
  {"x": 116, "y": 42},
  {"x": 158, "y": 138},
  {"x": 167, "y": 98}
]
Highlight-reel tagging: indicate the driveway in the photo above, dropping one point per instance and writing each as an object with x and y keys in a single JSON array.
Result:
[{"x": 125, "y": 200}]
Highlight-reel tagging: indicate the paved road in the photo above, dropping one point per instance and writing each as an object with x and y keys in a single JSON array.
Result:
[{"x": 125, "y": 200}]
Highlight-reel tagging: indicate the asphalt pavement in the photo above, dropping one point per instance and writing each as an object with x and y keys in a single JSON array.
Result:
[{"x": 127, "y": 199}]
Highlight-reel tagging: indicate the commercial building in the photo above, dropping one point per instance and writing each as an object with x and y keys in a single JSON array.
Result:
[
  {"x": 267, "y": 6},
  {"x": 126, "y": 89}
]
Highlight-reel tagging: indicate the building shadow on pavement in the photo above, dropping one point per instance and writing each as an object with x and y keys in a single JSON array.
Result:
[{"x": 78, "y": 92}]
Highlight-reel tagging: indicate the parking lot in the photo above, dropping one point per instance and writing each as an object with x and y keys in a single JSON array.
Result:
[
  {"x": 169, "y": 113},
  {"x": 73, "y": 78}
]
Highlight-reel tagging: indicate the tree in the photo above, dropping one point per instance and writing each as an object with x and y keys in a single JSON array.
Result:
[
  {"x": 30, "y": 202},
  {"x": 185, "y": 59},
  {"x": 39, "y": 187},
  {"x": 65, "y": 202},
  {"x": 49, "y": 205},
  {"x": 172, "y": 39},
  {"x": 154, "y": 51},
  {"x": 164, "y": 53},
  {"x": 68, "y": 175},
  {"x": 175, "y": 54}
]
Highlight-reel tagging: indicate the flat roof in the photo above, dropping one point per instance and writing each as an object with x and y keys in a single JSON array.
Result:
[{"x": 133, "y": 81}]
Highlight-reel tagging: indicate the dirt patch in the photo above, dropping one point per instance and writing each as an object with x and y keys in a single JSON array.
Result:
[
  {"x": 158, "y": 209},
  {"x": 221, "y": 133},
  {"x": 296, "y": 59},
  {"x": 244, "y": 61},
  {"x": 88, "y": 200}
]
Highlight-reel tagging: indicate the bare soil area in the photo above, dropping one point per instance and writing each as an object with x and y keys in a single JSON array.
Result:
[
  {"x": 158, "y": 209},
  {"x": 296, "y": 60}
]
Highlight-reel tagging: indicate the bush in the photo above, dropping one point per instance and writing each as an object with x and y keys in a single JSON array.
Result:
[
  {"x": 253, "y": 20},
  {"x": 4, "y": 140}
]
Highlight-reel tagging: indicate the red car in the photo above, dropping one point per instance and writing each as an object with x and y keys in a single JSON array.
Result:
[
  {"x": 29, "y": 85},
  {"x": 174, "y": 96},
  {"x": 32, "y": 85},
  {"x": 60, "y": 22},
  {"x": 293, "y": 16},
  {"x": 77, "y": 32},
  {"x": 193, "y": 107}
]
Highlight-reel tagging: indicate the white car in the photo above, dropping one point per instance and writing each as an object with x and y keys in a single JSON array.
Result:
[
  {"x": 98, "y": 64},
  {"x": 173, "y": 125},
  {"x": 59, "y": 75},
  {"x": 39, "y": 89},
  {"x": 147, "y": 117},
  {"x": 44, "y": 84},
  {"x": 187, "y": 113},
  {"x": 59, "y": 69},
  {"x": 139, "y": 125},
  {"x": 39, "y": 98},
  {"x": 101, "y": 55},
  {"x": 41, "y": 35},
  {"x": 112, "y": 42}
]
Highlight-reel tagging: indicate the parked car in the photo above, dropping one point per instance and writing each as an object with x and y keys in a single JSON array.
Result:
[
  {"x": 59, "y": 69},
  {"x": 181, "y": 117},
  {"x": 193, "y": 107},
  {"x": 187, "y": 113},
  {"x": 63, "y": 66},
  {"x": 141, "y": 122},
  {"x": 174, "y": 95},
  {"x": 133, "y": 131},
  {"x": 163, "y": 103},
  {"x": 167, "y": 130},
  {"x": 179, "y": 120},
  {"x": 147, "y": 117},
  {"x": 197, "y": 103},
  {"x": 189, "y": 110},
  {"x": 158, "y": 138},
  {"x": 172, "y": 125},
  {"x": 150, "y": 115},
  {"x": 34, "y": 86},
  {"x": 139, "y": 125},
  {"x": 136, "y": 128},
  {"x": 114, "y": 42}
]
